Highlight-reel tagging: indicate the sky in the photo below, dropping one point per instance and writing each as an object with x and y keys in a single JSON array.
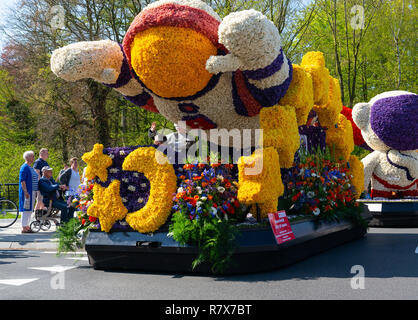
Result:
[{"x": 4, "y": 4}]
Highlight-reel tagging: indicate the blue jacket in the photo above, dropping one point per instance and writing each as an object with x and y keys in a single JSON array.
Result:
[{"x": 48, "y": 189}]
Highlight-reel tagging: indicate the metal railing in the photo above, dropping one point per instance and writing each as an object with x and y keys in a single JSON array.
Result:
[{"x": 10, "y": 191}]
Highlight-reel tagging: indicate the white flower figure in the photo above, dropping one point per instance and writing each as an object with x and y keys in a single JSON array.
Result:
[
  {"x": 131, "y": 188},
  {"x": 180, "y": 190},
  {"x": 203, "y": 198},
  {"x": 316, "y": 212},
  {"x": 221, "y": 189},
  {"x": 140, "y": 200}
]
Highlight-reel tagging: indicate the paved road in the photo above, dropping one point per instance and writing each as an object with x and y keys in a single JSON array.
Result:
[{"x": 389, "y": 258}]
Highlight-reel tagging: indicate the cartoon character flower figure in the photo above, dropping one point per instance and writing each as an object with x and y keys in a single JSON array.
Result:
[{"x": 389, "y": 125}]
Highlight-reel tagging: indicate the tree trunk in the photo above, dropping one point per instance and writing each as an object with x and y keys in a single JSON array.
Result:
[{"x": 98, "y": 96}]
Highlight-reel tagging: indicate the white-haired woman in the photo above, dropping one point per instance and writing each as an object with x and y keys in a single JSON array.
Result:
[{"x": 28, "y": 185}]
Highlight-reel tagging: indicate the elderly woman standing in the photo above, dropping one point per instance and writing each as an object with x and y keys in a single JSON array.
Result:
[{"x": 28, "y": 185}]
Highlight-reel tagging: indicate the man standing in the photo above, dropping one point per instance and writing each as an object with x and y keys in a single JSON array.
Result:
[
  {"x": 38, "y": 165},
  {"x": 49, "y": 190}
]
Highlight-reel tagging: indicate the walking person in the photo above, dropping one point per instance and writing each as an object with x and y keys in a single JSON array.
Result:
[
  {"x": 38, "y": 165},
  {"x": 28, "y": 187}
]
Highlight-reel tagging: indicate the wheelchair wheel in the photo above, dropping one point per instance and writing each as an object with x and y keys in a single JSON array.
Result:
[
  {"x": 35, "y": 226},
  {"x": 8, "y": 213},
  {"x": 46, "y": 225}
]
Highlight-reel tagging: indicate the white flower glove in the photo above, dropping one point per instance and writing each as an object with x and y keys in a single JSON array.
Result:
[
  {"x": 252, "y": 40},
  {"x": 99, "y": 60}
]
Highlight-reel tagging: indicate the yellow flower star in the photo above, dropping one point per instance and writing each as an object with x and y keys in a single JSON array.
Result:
[{"x": 97, "y": 163}]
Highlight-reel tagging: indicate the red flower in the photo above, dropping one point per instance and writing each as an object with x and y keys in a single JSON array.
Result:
[
  {"x": 92, "y": 219},
  {"x": 83, "y": 221}
]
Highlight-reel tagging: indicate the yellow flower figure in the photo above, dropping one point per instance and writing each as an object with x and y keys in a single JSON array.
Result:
[
  {"x": 155, "y": 167},
  {"x": 357, "y": 173},
  {"x": 97, "y": 163},
  {"x": 314, "y": 63},
  {"x": 340, "y": 139},
  {"x": 300, "y": 94},
  {"x": 280, "y": 130},
  {"x": 328, "y": 113},
  {"x": 107, "y": 205},
  {"x": 260, "y": 179}
]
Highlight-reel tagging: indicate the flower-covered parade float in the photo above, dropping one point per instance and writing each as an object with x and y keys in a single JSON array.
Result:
[
  {"x": 147, "y": 212},
  {"x": 389, "y": 125}
]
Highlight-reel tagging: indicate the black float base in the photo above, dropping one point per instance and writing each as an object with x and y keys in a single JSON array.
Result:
[
  {"x": 393, "y": 213},
  {"x": 257, "y": 250}
]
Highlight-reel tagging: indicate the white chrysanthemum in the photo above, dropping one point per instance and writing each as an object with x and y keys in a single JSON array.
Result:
[{"x": 131, "y": 188}]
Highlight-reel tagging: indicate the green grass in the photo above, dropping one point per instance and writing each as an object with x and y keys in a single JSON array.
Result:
[{"x": 8, "y": 216}]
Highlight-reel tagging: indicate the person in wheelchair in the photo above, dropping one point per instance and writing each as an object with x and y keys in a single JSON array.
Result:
[{"x": 50, "y": 191}]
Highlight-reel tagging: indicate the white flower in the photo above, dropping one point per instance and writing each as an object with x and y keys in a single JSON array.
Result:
[
  {"x": 125, "y": 180},
  {"x": 221, "y": 189},
  {"x": 199, "y": 190},
  {"x": 122, "y": 152},
  {"x": 203, "y": 198},
  {"x": 220, "y": 178},
  {"x": 199, "y": 203},
  {"x": 136, "y": 174},
  {"x": 143, "y": 185},
  {"x": 316, "y": 212},
  {"x": 114, "y": 170},
  {"x": 180, "y": 190},
  {"x": 314, "y": 175},
  {"x": 140, "y": 200},
  {"x": 311, "y": 194},
  {"x": 124, "y": 200},
  {"x": 131, "y": 188}
]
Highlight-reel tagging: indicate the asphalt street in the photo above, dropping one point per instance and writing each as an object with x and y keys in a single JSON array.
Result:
[{"x": 388, "y": 259}]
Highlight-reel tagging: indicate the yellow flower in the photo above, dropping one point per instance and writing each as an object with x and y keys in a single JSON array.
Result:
[
  {"x": 280, "y": 130},
  {"x": 300, "y": 94},
  {"x": 328, "y": 113},
  {"x": 107, "y": 205},
  {"x": 314, "y": 64},
  {"x": 171, "y": 61},
  {"x": 163, "y": 182},
  {"x": 260, "y": 179},
  {"x": 97, "y": 163},
  {"x": 340, "y": 138},
  {"x": 357, "y": 171}
]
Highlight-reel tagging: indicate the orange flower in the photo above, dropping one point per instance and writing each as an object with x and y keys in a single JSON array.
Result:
[
  {"x": 197, "y": 178},
  {"x": 182, "y": 177},
  {"x": 210, "y": 197},
  {"x": 196, "y": 197}
]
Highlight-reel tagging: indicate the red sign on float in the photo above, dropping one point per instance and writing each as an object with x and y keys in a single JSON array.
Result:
[{"x": 281, "y": 227}]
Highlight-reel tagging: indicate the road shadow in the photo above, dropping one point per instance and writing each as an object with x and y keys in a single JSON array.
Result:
[
  {"x": 382, "y": 255},
  {"x": 12, "y": 255}
]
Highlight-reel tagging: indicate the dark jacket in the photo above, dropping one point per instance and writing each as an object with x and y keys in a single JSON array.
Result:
[
  {"x": 48, "y": 189},
  {"x": 65, "y": 177}
]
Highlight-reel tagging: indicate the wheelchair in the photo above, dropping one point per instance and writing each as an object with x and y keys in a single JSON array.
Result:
[{"x": 44, "y": 217}]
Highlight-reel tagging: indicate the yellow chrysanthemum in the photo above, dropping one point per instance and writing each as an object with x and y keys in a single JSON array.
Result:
[
  {"x": 171, "y": 61},
  {"x": 357, "y": 173},
  {"x": 340, "y": 139},
  {"x": 314, "y": 64},
  {"x": 97, "y": 163},
  {"x": 280, "y": 130},
  {"x": 260, "y": 179},
  {"x": 329, "y": 112},
  {"x": 163, "y": 185},
  {"x": 107, "y": 205},
  {"x": 300, "y": 94}
]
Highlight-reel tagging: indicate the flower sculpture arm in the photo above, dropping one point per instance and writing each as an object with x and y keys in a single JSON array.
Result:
[
  {"x": 103, "y": 61},
  {"x": 255, "y": 56}
]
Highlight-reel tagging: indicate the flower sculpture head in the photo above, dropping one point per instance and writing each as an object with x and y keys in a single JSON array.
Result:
[
  {"x": 389, "y": 121},
  {"x": 168, "y": 44}
]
